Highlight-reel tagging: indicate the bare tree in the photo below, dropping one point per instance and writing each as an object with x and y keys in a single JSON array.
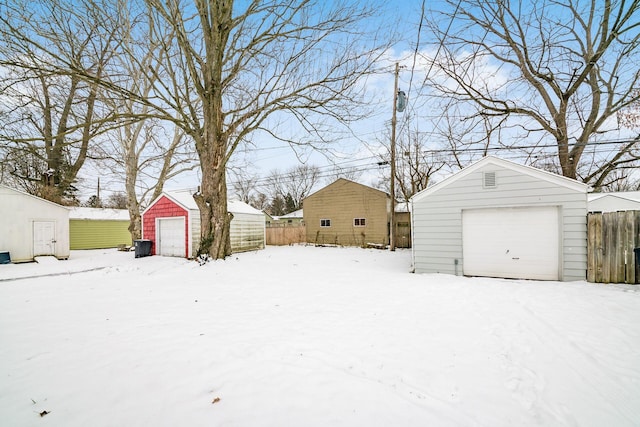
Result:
[
  {"x": 228, "y": 71},
  {"x": 50, "y": 117},
  {"x": 244, "y": 185},
  {"x": 559, "y": 68},
  {"x": 416, "y": 161},
  {"x": 415, "y": 167},
  {"x": 249, "y": 66},
  {"x": 145, "y": 150},
  {"x": 350, "y": 173},
  {"x": 296, "y": 183},
  {"x": 118, "y": 201}
]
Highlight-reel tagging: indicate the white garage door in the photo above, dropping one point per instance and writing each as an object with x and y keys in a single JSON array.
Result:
[
  {"x": 518, "y": 243},
  {"x": 171, "y": 237}
]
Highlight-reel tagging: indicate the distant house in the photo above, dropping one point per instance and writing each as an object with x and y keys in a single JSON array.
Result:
[
  {"x": 172, "y": 223},
  {"x": 290, "y": 219},
  {"x": 97, "y": 228},
  {"x": 347, "y": 213},
  {"x": 613, "y": 202},
  {"x": 32, "y": 226},
  {"x": 497, "y": 218}
]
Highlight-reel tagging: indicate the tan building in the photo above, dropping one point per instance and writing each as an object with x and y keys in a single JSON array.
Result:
[{"x": 347, "y": 213}]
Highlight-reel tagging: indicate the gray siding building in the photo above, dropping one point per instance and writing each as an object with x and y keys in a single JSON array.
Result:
[{"x": 497, "y": 218}]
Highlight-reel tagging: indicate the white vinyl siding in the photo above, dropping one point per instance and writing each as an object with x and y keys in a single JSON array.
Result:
[
  {"x": 23, "y": 215},
  {"x": 437, "y": 216},
  {"x": 247, "y": 232}
]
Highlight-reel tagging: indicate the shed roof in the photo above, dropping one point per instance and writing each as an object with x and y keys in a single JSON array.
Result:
[
  {"x": 25, "y": 194},
  {"x": 294, "y": 214},
  {"x": 185, "y": 199},
  {"x": 614, "y": 201},
  {"x": 633, "y": 196},
  {"x": 99, "y": 213},
  {"x": 236, "y": 206},
  {"x": 491, "y": 160}
]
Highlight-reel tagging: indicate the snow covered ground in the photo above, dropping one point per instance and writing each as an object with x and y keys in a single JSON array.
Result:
[{"x": 306, "y": 336}]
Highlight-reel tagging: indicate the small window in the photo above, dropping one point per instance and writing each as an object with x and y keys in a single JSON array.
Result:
[
  {"x": 325, "y": 223},
  {"x": 489, "y": 180},
  {"x": 359, "y": 222}
]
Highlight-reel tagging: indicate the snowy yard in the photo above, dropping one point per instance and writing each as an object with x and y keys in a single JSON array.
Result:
[{"x": 306, "y": 336}]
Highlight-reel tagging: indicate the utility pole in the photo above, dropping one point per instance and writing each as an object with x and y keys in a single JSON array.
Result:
[
  {"x": 392, "y": 231},
  {"x": 399, "y": 103}
]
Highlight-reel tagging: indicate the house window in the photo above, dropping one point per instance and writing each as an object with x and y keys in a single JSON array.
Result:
[
  {"x": 325, "y": 223},
  {"x": 359, "y": 222}
]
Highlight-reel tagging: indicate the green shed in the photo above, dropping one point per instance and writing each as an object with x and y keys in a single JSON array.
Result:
[{"x": 94, "y": 228}]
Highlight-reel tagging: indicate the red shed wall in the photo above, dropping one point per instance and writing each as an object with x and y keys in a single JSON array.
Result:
[{"x": 164, "y": 208}]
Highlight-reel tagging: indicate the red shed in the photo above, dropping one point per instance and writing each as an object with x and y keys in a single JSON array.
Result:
[{"x": 172, "y": 223}]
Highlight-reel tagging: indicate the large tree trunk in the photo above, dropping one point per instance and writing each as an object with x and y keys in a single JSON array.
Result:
[
  {"x": 215, "y": 220},
  {"x": 135, "y": 220}
]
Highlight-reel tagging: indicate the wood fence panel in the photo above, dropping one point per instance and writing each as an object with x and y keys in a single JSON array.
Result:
[
  {"x": 286, "y": 235},
  {"x": 593, "y": 236},
  {"x": 629, "y": 233},
  {"x": 612, "y": 237}
]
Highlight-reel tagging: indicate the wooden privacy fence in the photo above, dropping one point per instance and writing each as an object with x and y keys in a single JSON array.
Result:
[
  {"x": 280, "y": 235},
  {"x": 612, "y": 238}
]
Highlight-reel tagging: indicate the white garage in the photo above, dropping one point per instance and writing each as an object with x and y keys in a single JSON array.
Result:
[{"x": 497, "y": 218}]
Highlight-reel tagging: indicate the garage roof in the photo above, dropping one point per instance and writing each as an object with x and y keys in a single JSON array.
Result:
[{"x": 490, "y": 160}]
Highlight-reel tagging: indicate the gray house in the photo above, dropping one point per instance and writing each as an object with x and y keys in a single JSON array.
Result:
[{"x": 496, "y": 218}]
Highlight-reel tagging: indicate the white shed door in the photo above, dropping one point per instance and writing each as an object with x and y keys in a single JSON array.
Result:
[
  {"x": 517, "y": 243},
  {"x": 171, "y": 237},
  {"x": 44, "y": 238}
]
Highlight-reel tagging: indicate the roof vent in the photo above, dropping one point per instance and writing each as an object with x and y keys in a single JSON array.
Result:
[{"x": 489, "y": 179}]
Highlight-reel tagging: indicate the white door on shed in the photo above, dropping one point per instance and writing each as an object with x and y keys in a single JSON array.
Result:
[
  {"x": 517, "y": 243},
  {"x": 44, "y": 238},
  {"x": 171, "y": 237}
]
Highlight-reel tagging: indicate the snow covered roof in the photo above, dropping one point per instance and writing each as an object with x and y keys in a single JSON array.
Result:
[
  {"x": 236, "y": 206},
  {"x": 9, "y": 190},
  {"x": 629, "y": 195},
  {"x": 294, "y": 214},
  {"x": 615, "y": 201},
  {"x": 185, "y": 198},
  {"x": 99, "y": 213}
]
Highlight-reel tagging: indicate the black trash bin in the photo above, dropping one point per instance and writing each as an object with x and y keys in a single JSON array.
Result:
[
  {"x": 143, "y": 247},
  {"x": 636, "y": 251}
]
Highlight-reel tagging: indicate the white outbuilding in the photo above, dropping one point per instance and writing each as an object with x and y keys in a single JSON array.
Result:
[
  {"x": 496, "y": 218},
  {"x": 614, "y": 202},
  {"x": 32, "y": 226},
  {"x": 172, "y": 224}
]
